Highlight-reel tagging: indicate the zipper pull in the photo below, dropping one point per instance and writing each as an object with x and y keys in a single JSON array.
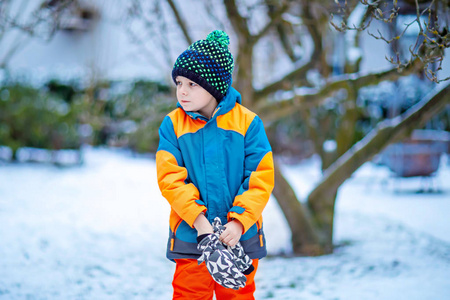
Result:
[{"x": 215, "y": 111}]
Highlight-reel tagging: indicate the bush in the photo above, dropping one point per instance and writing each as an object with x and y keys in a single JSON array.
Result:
[
  {"x": 137, "y": 114},
  {"x": 33, "y": 118},
  {"x": 62, "y": 116}
]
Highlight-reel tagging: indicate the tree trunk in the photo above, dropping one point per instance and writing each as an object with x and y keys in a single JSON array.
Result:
[
  {"x": 322, "y": 199},
  {"x": 305, "y": 240},
  {"x": 244, "y": 77},
  {"x": 345, "y": 136}
]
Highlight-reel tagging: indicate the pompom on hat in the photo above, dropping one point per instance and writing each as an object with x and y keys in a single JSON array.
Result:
[{"x": 208, "y": 63}]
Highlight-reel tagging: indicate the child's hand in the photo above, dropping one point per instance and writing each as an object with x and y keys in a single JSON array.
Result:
[
  {"x": 232, "y": 233},
  {"x": 202, "y": 225}
]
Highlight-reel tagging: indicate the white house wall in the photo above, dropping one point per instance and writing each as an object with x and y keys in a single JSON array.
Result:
[
  {"x": 101, "y": 52},
  {"x": 105, "y": 51}
]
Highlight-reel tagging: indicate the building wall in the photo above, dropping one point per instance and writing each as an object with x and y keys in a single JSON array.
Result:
[
  {"x": 103, "y": 51},
  {"x": 106, "y": 51}
]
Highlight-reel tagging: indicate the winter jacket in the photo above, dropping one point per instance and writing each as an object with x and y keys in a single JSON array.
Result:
[{"x": 222, "y": 167}]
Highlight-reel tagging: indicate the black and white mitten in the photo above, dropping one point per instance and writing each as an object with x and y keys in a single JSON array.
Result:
[
  {"x": 243, "y": 261},
  {"x": 220, "y": 262}
]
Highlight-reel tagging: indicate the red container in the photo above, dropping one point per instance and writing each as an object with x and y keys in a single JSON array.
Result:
[{"x": 418, "y": 155}]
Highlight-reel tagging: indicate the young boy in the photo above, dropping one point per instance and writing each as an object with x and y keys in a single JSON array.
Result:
[{"x": 214, "y": 160}]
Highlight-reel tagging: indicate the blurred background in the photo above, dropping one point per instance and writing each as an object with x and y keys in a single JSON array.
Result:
[{"x": 347, "y": 90}]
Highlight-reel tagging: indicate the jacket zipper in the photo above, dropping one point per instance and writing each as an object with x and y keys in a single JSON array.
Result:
[{"x": 215, "y": 111}]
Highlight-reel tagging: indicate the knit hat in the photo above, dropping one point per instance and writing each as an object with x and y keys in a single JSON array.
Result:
[{"x": 208, "y": 63}]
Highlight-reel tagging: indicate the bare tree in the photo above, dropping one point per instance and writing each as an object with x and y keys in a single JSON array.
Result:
[
  {"x": 432, "y": 38},
  {"x": 285, "y": 26},
  {"x": 19, "y": 25}
]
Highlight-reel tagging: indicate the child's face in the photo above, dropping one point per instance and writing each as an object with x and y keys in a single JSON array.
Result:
[{"x": 192, "y": 97}]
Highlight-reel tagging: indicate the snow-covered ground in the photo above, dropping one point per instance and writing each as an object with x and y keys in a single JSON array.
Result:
[{"x": 99, "y": 231}]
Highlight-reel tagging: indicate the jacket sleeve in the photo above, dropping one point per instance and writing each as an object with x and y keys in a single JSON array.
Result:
[
  {"x": 258, "y": 183},
  {"x": 184, "y": 198}
]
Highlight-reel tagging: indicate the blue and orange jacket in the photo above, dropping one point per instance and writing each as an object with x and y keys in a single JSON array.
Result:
[{"x": 222, "y": 167}]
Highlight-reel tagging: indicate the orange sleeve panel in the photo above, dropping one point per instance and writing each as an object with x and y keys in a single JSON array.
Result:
[
  {"x": 181, "y": 196},
  {"x": 254, "y": 199}
]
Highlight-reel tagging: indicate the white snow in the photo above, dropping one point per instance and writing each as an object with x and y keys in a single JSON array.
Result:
[
  {"x": 99, "y": 231},
  {"x": 354, "y": 21},
  {"x": 329, "y": 145}
]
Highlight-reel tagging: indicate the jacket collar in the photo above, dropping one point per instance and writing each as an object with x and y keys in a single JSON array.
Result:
[{"x": 224, "y": 106}]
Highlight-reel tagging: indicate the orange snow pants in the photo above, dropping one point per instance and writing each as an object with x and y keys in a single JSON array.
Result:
[{"x": 192, "y": 281}]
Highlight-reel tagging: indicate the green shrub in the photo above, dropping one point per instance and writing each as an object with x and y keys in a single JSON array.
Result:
[
  {"x": 111, "y": 113},
  {"x": 138, "y": 114},
  {"x": 33, "y": 118}
]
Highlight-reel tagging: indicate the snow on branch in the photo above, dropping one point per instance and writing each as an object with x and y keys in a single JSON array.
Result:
[
  {"x": 281, "y": 108},
  {"x": 384, "y": 134}
]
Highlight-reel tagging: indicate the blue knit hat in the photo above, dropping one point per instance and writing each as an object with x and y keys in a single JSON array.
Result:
[{"x": 208, "y": 63}]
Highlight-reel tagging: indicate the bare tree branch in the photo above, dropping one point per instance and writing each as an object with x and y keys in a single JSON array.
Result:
[
  {"x": 386, "y": 132},
  {"x": 283, "y": 36},
  {"x": 322, "y": 199},
  {"x": 165, "y": 43},
  {"x": 211, "y": 9},
  {"x": 313, "y": 26},
  {"x": 432, "y": 37},
  {"x": 180, "y": 21},
  {"x": 275, "y": 18},
  {"x": 19, "y": 43},
  {"x": 279, "y": 109},
  {"x": 288, "y": 81},
  {"x": 295, "y": 77},
  {"x": 43, "y": 23},
  {"x": 239, "y": 23}
]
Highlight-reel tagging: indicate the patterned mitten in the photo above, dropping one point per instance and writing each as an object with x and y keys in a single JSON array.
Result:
[
  {"x": 242, "y": 261},
  {"x": 220, "y": 262}
]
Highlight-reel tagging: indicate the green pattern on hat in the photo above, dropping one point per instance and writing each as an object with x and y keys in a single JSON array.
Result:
[{"x": 209, "y": 63}]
